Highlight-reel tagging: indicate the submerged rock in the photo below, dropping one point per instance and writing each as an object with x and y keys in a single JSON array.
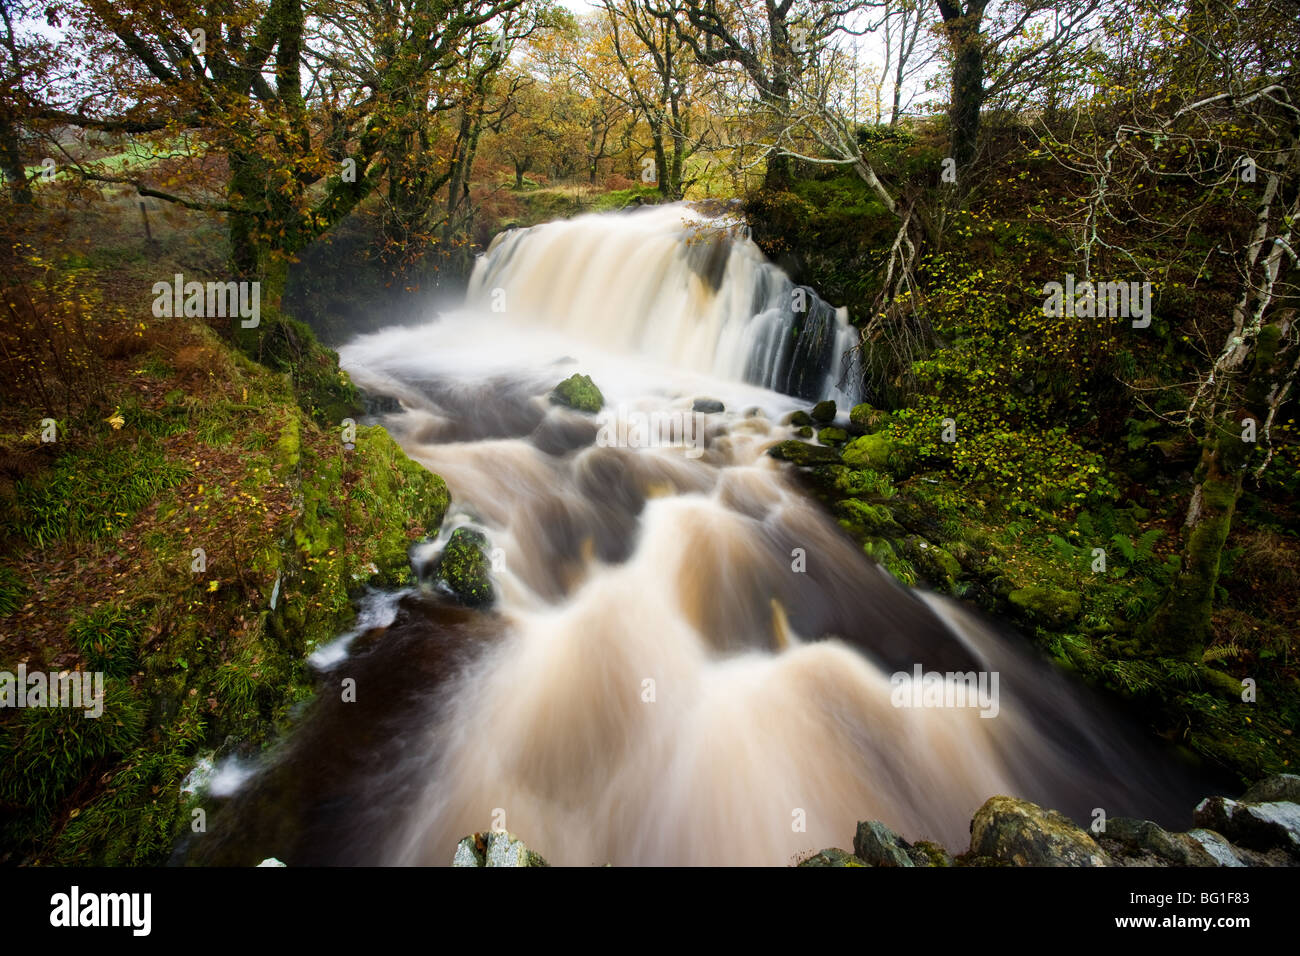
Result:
[
  {"x": 578, "y": 392},
  {"x": 709, "y": 406},
  {"x": 1021, "y": 833},
  {"x": 465, "y": 569},
  {"x": 801, "y": 453}
]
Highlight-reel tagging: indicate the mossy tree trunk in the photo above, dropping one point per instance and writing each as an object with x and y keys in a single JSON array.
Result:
[{"x": 1251, "y": 379}]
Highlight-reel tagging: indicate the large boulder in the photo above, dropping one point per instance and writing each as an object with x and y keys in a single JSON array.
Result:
[
  {"x": 1021, "y": 833},
  {"x": 465, "y": 570},
  {"x": 578, "y": 392}
]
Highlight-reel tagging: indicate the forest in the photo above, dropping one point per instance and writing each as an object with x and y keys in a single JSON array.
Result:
[{"x": 983, "y": 313}]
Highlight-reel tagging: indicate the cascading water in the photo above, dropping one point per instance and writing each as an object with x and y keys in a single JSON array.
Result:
[
  {"x": 688, "y": 661},
  {"x": 678, "y": 287}
]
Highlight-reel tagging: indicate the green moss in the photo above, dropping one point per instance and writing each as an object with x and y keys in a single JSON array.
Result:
[
  {"x": 803, "y": 454},
  {"x": 465, "y": 569},
  {"x": 934, "y": 563},
  {"x": 1052, "y": 606},
  {"x": 832, "y": 436},
  {"x": 578, "y": 392},
  {"x": 863, "y": 418},
  {"x": 873, "y": 452},
  {"x": 866, "y": 520}
]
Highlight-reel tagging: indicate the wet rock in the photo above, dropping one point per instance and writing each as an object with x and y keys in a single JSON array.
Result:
[
  {"x": 869, "y": 451},
  {"x": 804, "y": 431},
  {"x": 465, "y": 569},
  {"x": 801, "y": 453},
  {"x": 578, "y": 392},
  {"x": 1219, "y": 849},
  {"x": 824, "y": 412},
  {"x": 709, "y": 406},
  {"x": 800, "y": 419},
  {"x": 832, "y": 436},
  {"x": 1024, "y": 834},
  {"x": 832, "y": 857},
  {"x": 495, "y": 849},
  {"x": 1274, "y": 789},
  {"x": 1141, "y": 837},
  {"x": 877, "y": 845},
  {"x": 1259, "y": 826},
  {"x": 863, "y": 418},
  {"x": 1049, "y": 605}
]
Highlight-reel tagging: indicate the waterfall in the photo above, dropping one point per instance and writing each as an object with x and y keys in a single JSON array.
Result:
[
  {"x": 689, "y": 662},
  {"x": 671, "y": 284}
]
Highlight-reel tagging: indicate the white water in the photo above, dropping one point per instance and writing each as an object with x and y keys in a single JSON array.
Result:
[{"x": 771, "y": 698}]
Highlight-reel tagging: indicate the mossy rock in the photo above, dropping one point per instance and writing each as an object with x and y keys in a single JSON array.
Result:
[
  {"x": 1051, "y": 606},
  {"x": 800, "y": 418},
  {"x": 465, "y": 569},
  {"x": 1024, "y": 834},
  {"x": 802, "y": 454},
  {"x": 832, "y": 436},
  {"x": 875, "y": 452},
  {"x": 934, "y": 563},
  {"x": 863, "y": 418},
  {"x": 867, "y": 520},
  {"x": 580, "y": 393},
  {"x": 832, "y": 857},
  {"x": 823, "y": 412},
  {"x": 804, "y": 431}
]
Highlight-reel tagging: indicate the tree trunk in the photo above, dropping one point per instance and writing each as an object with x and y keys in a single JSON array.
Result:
[
  {"x": 962, "y": 27},
  {"x": 11, "y": 163}
]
